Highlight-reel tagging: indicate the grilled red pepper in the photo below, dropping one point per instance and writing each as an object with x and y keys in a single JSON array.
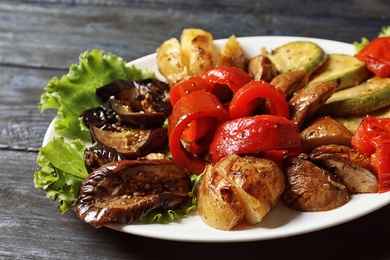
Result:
[
  {"x": 254, "y": 135},
  {"x": 187, "y": 86},
  {"x": 372, "y": 138},
  {"x": 233, "y": 77},
  {"x": 376, "y": 55},
  {"x": 246, "y": 99},
  {"x": 197, "y": 105}
]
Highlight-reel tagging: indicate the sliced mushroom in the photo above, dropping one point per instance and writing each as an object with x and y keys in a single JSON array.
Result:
[
  {"x": 322, "y": 131},
  {"x": 132, "y": 143},
  {"x": 310, "y": 188},
  {"x": 341, "y": 162},
  {"x": 341, "y": 151},
  {"x": 261, "y": 67},
  {"x": 291, "y": 82},
  {"x": 308, "y": 100},
  {"x": 125, "y": 191}
]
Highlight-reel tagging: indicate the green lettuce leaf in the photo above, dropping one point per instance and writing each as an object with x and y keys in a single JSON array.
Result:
[
  {"x": 62, "y": 171},
  {"x": 75, "y": 92},
  {"x": 385, "y": 31}
]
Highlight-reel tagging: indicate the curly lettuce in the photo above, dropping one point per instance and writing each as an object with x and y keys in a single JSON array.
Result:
[
  {"x": 75, "y": 92},
  {"x": 364, "y": 41},
  {"x": 62, "y": 171}
]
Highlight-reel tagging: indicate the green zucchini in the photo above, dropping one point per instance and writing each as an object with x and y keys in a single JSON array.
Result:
[
  {"x": 298, "y": 55},
  {"x": 352, "y": 122},
  {"x": 370, "y": 95},
  {"x": 346, "y": 70}
]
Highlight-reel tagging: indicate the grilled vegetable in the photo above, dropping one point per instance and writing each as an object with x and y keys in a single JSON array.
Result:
[
  {"x": 170, "y": 61},
  {"x": 352, "y": 122},
  {"x": 372, "y": 138},
  {"x": 261, "y": 67},
  {"x": 307, "y": 101},
  {"x": 323, "y": 131},
  {"x": 232, "y": 54},
  {"x": 239, "y": 189},
  {"x": 298, "y": 55},
  {"x": 310, "y": 188},
  {"x": 134, "y": 142},
  {"x": 343, "y": 69},
  {"x": 376, "y": 56},
  {"x": 197, "y": 46},
  {"x": 124, "y": 191},
  {"x": 349, "y": 165},
  {"x": 365, "y": 98},
  {"x": 255, "y": 135},
  {"x": 291, "y": 82}
]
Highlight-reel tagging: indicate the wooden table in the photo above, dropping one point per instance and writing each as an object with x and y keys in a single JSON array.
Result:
[{"x": 40, "y": 39}]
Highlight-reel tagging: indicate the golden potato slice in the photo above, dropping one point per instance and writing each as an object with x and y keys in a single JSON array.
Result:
[
  {"x": 232, "y": 54},
  {"x": 197, "y": 46},
  {"x": 170, "y": 61}
]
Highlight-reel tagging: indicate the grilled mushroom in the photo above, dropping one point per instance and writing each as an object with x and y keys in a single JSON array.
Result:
[
  {"x": 309, "y": 100},
  {"x": 348, "y": 164},
  {"x": 310, "y": 188}
]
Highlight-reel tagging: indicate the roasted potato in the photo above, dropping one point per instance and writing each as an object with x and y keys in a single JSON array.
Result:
[
  {"x": 232, "y": 54},
  {"x": 170, "y": 61},
  {"x": 197, "y": 46},
  {"x": 239, "y": 189}
]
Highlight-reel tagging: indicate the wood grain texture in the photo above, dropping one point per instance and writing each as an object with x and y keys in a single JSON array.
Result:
[{"x": 40, "y": 39}]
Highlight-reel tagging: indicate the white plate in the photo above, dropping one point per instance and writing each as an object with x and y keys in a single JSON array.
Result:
[{"x": 281, "y": 221}]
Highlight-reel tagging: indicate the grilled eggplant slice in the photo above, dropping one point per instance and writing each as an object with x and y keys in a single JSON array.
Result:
[
  {"x": 125, "y": 191},
  {"x": 133, "y": 143}
]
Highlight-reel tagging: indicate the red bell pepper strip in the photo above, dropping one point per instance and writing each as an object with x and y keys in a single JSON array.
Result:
[
  {"x": 246, "y": 98},
  {"x": 372, "y": 138},
  {"x": 376, "y": 55},
  {"x": 253, "y": 135},
  {"x": 187, "y": 86},
  {"x": 233, "y": 77},
  {"x": 194, "y": 106}
]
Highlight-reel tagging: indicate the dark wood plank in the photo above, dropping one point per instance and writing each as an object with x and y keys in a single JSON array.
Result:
[
  {"x": 22, "y": 124},
  {"x": 58, "y": 33}
]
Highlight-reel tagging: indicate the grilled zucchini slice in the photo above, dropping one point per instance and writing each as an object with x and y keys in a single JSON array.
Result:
[{"x": 298, "y": 55}]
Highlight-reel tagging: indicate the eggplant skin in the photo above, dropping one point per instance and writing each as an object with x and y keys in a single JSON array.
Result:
[{"x": 124, "y": 191}]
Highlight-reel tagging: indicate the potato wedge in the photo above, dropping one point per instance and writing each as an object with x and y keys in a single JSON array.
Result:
[
  {"x": 170, "y": 61},
  {"x": 239, "y": 189},
  {"x": 232, "y": 54},
  {"x": 197, "y": 46}
]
